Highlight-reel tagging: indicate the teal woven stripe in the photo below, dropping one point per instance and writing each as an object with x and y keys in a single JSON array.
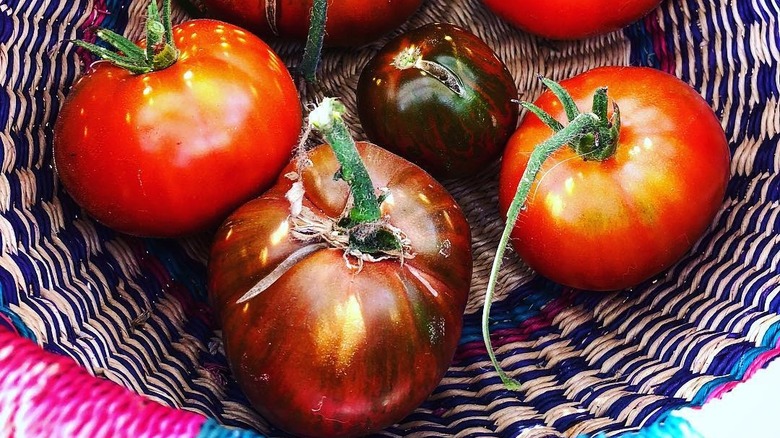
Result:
[
  {"x": 17, "y": 322},
  {"x": 212, "y": 429},
  {"x": 670, "y": 427},
  {"x": 741, "y": 369}
]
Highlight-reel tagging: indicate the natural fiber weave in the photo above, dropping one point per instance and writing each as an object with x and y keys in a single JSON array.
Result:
[{"x": 133, "y": 311}]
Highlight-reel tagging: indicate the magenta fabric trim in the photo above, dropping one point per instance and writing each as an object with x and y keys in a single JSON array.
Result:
[{"x": 47, "y": 395}]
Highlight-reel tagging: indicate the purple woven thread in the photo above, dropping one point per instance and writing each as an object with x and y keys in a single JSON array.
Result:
[{"x": 7, "y": 324}]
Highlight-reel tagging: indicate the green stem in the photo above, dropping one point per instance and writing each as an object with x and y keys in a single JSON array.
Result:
[
  {"x": 543, "y": 116},
  {"x": 592, "y": 137},
  {"x": 166, "y": 21},
  {"x": 129, "y": 49},
  {"x": 160, "y": 50},
  {"x": 327, "y": 118},
  {"x": 599, "y": 107},
  {"x": 608, "y": 135},
  {"x": 579, "y": 126},
  {"x": 566, "y": 100},
  {"x": 155, "y": 30},
  {"x": 314, "y": 40}
]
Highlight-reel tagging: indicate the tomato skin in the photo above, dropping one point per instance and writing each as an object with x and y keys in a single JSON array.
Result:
[
  {"x": 415, "y": 115},
  {"x": 566, "y": 19},
  {"x": 173, "y": 152},
  {"x": 327, "y": 350},
  {"x": 613, "y": 224},
  {"x": 349, "y": 22}
]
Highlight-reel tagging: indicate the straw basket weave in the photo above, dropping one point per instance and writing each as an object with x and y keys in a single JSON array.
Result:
[{"x": 105, "y": 335}]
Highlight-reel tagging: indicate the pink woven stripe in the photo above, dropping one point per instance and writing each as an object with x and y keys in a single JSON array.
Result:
[
  {"x": 89, "y": 29},
  {"x": 665, "y": 58},
  {"x": 46, "y": 395},
  {"x": 521, "y": 333}
]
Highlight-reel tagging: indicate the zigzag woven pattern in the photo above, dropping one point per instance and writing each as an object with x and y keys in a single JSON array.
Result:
[{"x": 133, "y": 311}]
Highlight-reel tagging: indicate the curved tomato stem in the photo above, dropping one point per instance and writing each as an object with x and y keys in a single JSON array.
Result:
[
  {"x": 592, "y": 136},
  {"x": 314, "y": 40},
  {"x": 327, "y": 118},
  {"x": 160, "y": 50},
  {"x": 581, "y": 125}
]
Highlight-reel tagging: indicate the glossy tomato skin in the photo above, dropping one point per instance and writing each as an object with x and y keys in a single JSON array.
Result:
[
  {"x": 613, "y": 224},
  {"x": 417, "y": 116},
  {"x": 328, "y": 350},
  {"x": 173, "y": 152},
  {"x": 349, "y": 22},
  {"x": 566, "y": 19}
]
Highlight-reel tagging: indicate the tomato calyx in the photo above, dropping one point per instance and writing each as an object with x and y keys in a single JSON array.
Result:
[
  {"x": 160, "y": 51},
  {"x": 411, "y": 57},
  {"x": 593, "y": 135},
  {"x": 368, "y": 233},
  {"x": 366, "y": 241},
  {"x": 598, "y": 143}
]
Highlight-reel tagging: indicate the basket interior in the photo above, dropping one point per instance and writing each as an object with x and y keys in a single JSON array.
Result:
[{"x": 134, "y": 311}]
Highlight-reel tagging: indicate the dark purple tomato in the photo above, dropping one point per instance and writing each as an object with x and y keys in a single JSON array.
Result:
[
  {"x": 441, "y": 98},
  {"x": 330, "y": 349}
]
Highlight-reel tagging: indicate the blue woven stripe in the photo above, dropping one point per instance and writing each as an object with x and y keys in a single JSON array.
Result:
[
  {"x": 524, "y": 303},
  {"x": 212, "y": 429},
  {"x": 642, "y": 50},
  {"x": 118, "y": 17}
]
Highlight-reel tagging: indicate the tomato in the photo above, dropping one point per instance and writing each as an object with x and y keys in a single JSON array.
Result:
[
  {"x": 349, "y": 22},
  {"x": 566, "y": 19},
  {"x": 440, "y": 97},
  {"x": 330, "y": 349},
  {"x": 173, "y": 151},
  {"x": 611, "y": 224}
]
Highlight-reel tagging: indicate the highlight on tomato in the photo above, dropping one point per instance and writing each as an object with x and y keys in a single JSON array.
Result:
[
  {"x": 610, "y": 179},
  {"x": 441, "y": 98},
  {"x": 341, "y": 299},
  {"x": 569, "y": 20},
  {"x": 349, "y": 22},
  {"x": 170, "y": 136}
]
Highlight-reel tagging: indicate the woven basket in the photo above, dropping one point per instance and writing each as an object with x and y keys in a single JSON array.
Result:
[{"x": 105, "y": 335}]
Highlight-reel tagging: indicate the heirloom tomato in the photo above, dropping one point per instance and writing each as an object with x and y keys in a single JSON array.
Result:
[
  {"x": 440, "y": 97},
  {"x": 349, "y": 22},
  {"x": 631, "y": 194},
  {"x": 327, "y": 333},
  {"x": 567, "y": 19},
  {"x": 169, "y": 151}
]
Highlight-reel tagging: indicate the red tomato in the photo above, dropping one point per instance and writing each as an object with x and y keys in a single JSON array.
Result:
[
  {"x": 440, "y": 97},
  {"x": 329, "y": 350},
  {"x": 607, "y": 225},
  {"x": 174, "y": 151},
  {"x": 567, "y": 19},
  {"x": 349, "y": 22}
]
